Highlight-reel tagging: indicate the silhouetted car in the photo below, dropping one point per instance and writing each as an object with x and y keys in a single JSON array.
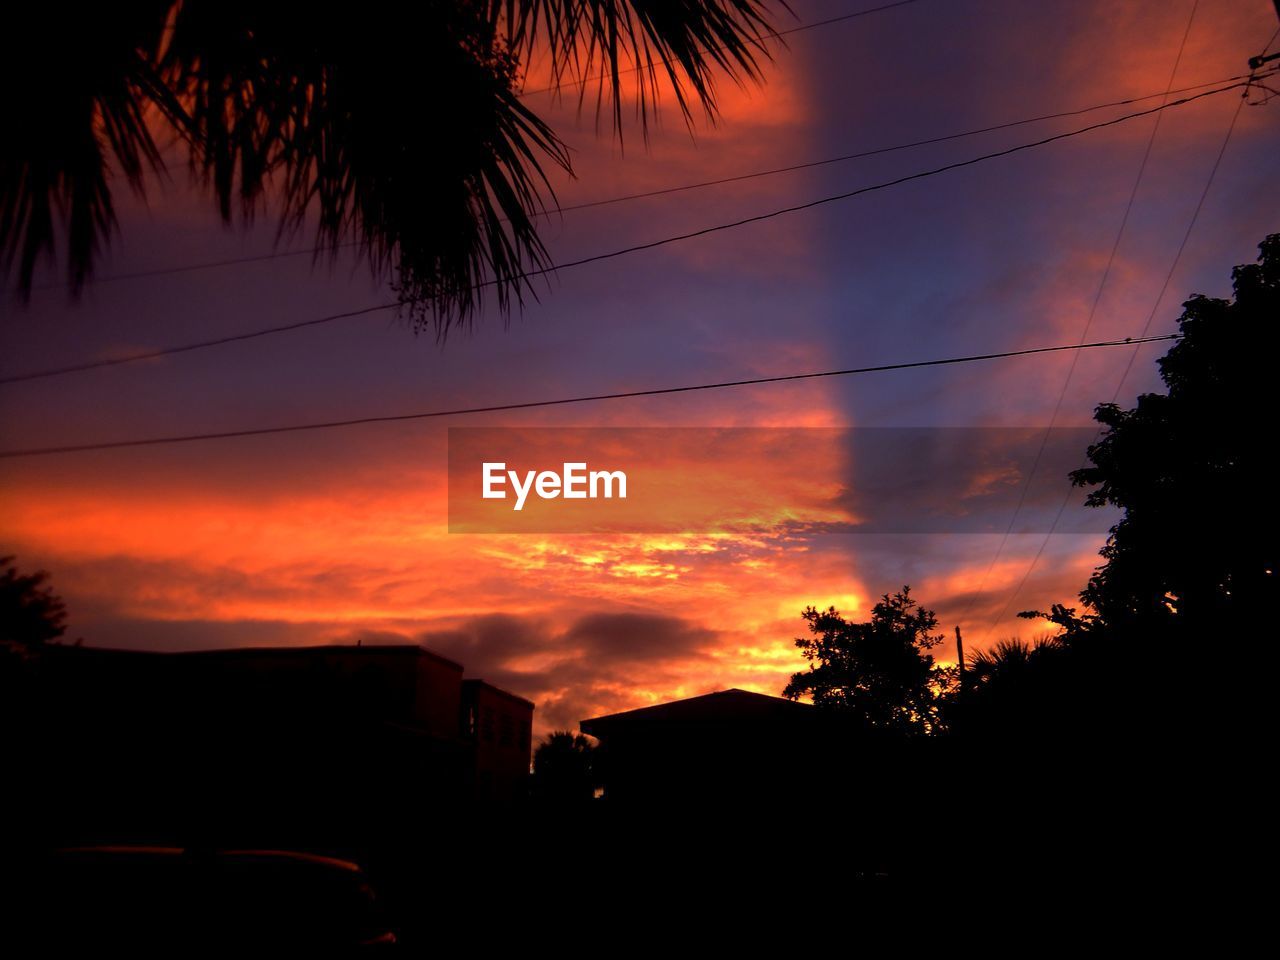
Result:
[{"x": 182, "y": 899}]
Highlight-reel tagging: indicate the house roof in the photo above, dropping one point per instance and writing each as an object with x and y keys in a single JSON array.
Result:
[{"x": 722, "y": 707}]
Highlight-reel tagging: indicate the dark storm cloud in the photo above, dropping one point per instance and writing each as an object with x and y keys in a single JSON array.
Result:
[
  {"x": 631, "y": 637},
  {"x": 597, "y": 646},
  {"x": 488, "y": 643},
  {"x": 578, "y": 669}
]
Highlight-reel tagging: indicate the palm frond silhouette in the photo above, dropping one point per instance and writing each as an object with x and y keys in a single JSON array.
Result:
[
  {"x": 79, "y": 98},
  {"x": 399, "y": 128},
  {"x": 1009, "y": 660}
]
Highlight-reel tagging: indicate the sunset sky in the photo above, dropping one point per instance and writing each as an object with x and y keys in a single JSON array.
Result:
[{"x": 334, "y": 536}]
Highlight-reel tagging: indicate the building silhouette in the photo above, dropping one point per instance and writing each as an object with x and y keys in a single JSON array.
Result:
[
  {"x": 270, "y": 745},
  {"x": 724, "y": 745}
]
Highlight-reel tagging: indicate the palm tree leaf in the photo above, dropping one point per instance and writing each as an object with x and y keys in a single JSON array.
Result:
[
  {"x": 592, "y": 43},
  {"x": 79, "y": 111},
  {"x": 399, "y": 130}
]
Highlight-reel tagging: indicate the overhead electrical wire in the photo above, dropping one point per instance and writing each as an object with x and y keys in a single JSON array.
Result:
[
  {"x": 623, "y": 251},
  {"x": 161, "y": 271},
  {"x": 1088, "y": 324},
  {"x": 562, "y": 401},
  {"x": 664, "y": 191},
  {"x": 1155, "y": 307}
]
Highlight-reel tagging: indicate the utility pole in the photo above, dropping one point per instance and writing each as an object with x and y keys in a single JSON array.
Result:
[
  {"x": 1256, "y": 62},
  {"x": 960, "y": 640}
]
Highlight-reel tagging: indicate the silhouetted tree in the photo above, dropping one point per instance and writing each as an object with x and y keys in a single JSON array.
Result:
[
  {"x": 879, "y": 672},
  {"x": 1192, "y": 560},
  {"x": 31, "y": 614},
  {"x": 398, "y": 128},
  {"x": 1195, "y": 554},
  {"x": 1018, "y": 689},
  {"x": 562, "y": 767},
  {"x": 1007, "y": 661}
]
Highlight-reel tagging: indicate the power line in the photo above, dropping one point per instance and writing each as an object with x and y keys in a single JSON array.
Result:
[
  {"x": 664, "y": 191},
  {"x": 1088, "y": 324},
  {"x": 528, "y": 405},
  {"x": 1164, "y": 287},
  {"x": 162, "y": 271},
  {"x": 808, "y": 165},
  {"x": 1267, "y": 48},
  {"x": 666, "y": 61},
  {"x": 1186, "y": 236},
  {"x": 635, "y": 248}
]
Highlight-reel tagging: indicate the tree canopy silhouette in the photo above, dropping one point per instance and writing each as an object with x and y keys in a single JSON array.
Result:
[
  {"x": 563, "y": 768},
  {"x": 1017, "y": 690},
  {"x": 879, "y": 673},
  {"x": 399, "y": 128},
  {"x": 1191, "y": 563},
  {"x": 31, "y": 614},
  {"x": 1195, "y": 553}
]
